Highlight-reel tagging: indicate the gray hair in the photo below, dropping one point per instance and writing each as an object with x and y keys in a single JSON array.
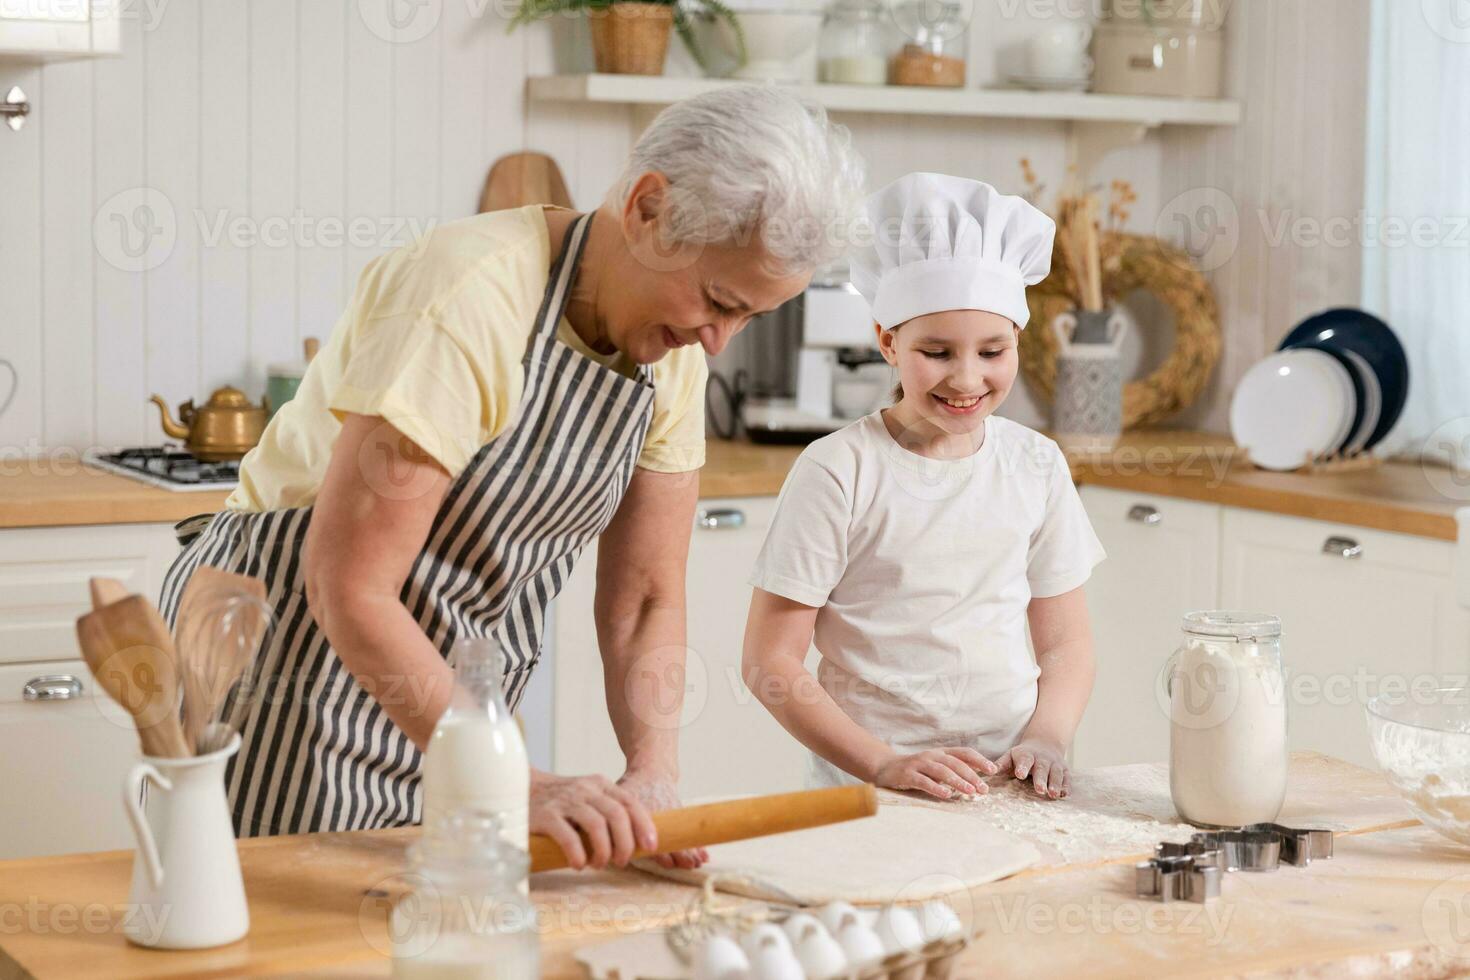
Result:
[{"x": 749, "y": 160}]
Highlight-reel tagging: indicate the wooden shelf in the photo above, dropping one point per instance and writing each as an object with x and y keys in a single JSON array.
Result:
[{"x": 975, "y": 103}]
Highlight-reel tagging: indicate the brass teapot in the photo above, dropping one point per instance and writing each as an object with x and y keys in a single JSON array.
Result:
[{"x": 225, "y": 429}]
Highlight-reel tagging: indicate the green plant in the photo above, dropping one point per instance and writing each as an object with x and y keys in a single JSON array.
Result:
[{"x": 533, "y": 10}]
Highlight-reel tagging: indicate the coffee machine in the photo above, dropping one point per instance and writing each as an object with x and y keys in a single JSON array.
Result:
[{"x": 838, "y": 374}]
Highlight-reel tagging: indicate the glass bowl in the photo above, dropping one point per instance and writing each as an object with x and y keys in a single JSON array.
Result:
[{"x": 1422, "y": 744}]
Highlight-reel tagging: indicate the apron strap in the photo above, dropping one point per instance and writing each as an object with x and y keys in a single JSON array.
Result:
[{"x": 559, "y": 283}]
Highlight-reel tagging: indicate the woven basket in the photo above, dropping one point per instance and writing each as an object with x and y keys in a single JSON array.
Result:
[{"x": 631, "y": 38}]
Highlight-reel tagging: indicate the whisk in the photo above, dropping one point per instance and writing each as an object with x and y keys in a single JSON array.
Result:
[{"x": 223, "y": 621}]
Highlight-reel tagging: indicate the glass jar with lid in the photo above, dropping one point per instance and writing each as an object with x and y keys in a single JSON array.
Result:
[
  {"x": 936, "y": 43},
  {"x": 466, "y": 914},
  {"x": 1225, "y": 689},
  {"x": 856, "y": 42}
]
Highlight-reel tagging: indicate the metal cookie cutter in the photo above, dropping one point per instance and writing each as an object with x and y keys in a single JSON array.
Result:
[
  {"x": 1180, "y": 873},
  {"x": 1299, "y": 847},
  {"x": 1263, "y": 846}
]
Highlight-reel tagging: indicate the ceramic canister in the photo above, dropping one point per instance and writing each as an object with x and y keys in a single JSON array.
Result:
[{"x": 1087, "y": 406}]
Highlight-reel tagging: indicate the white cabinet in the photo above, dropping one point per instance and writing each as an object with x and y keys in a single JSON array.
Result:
[
  {"x": 729, "y": 745},
  {"x": 1163, "y": 561},
  {"x": 1361, "y": 611},
  {"x": 44, "y": 30},
  {"x": 66, "y": 746}
]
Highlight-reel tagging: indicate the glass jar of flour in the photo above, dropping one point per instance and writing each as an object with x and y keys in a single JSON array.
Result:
[{"x": 1226, "y": 693}]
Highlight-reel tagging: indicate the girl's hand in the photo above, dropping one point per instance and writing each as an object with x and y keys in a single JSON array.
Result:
[
  {"x": 941, "y": 773},
  {"x": 1044, "y": 762}
]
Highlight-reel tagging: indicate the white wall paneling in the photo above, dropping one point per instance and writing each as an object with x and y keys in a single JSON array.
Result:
[
  {"x": 1295, "y": 162},
  {"x": 297, "y": 119}
]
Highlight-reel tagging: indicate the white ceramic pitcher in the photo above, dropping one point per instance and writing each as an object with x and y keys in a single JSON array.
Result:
[{"x": 187, "y": 892}]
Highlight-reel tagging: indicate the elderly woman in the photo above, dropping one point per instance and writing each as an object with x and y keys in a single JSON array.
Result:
[{"x": 494, "y": 397}]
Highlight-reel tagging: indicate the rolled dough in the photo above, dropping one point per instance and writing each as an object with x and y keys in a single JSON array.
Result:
[{"x": 904, "y": 854}]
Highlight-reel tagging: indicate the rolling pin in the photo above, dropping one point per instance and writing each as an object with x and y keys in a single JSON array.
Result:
[{"x": 720, "y": 823}]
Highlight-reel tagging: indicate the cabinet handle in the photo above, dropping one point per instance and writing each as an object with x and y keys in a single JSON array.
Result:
[
  {"x": 721, "y": 519},
  {"x": 1342, "y": 548},
  {"x": 1144, "y": 514},
  {"x": 52, "y": 687}
]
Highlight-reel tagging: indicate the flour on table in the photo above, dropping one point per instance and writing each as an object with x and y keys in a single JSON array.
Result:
[
  {"x": 1112, "y": 813},
  {"x": 904, "y": 854}
]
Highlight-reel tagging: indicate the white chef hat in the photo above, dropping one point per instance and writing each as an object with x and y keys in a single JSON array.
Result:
[{"x": 947, "y": 243}]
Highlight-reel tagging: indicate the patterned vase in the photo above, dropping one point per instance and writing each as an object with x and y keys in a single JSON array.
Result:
[{"x": 1087, "y": 406}]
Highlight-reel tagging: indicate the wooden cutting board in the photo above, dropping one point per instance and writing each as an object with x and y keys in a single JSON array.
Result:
[{"x": 519, "y": 179}]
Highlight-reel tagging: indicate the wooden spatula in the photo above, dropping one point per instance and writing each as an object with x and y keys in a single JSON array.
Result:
[
  {"x": 719, "y": 823},
  {"x": 106, "y": 591},
  {"x": 519, "y": 179},
  {"x": 130, "y": 652},
  {"x": 222, "y": 619}
]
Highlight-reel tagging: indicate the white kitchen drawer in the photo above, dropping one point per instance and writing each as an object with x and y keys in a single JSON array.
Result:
[
  {"x": 1350, "y": 626},
  {"x": 729, "y": 744},
  {"x": 1163, "y": 561},
  {"x": 44, "y": 573},
  {"x": 63, "y": 765}
]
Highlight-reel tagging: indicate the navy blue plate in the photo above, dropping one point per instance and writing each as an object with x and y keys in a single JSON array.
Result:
[{"x": 1374, "y": 341}]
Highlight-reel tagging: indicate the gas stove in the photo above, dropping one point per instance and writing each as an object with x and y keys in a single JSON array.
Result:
[{"x": 168, "y": 467}]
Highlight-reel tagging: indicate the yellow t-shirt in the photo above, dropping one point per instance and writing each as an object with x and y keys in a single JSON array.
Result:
[{"x": 433, "y": 342}]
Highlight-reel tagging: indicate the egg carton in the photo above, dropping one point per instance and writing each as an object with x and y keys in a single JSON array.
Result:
[{"x": 653, "y": 956}]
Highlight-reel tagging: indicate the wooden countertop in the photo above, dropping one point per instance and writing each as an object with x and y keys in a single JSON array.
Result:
[
  {"x": 319, "y": 905},
  {"x": 1402, "y": 497},
  {"x": 59, "y": 493}
]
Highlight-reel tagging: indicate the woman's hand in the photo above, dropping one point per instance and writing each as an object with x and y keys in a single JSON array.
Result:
[
  {"x": 582, "y": 811},
  {"x": 658, "y": 793},
  {"x": 941, "y": 773},
  {"x": 1044, "y": 762}
]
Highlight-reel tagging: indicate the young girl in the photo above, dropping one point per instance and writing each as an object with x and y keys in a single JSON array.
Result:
[{"x": 914, "y": 546}]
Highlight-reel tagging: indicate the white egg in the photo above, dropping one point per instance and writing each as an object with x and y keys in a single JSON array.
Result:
[
  {"x": 861, "y": 944},
  {"x": 797, "y": 925},
  {"x": 898, "y": 931},
  {"x": 834, "y": 913},
  {"x": 754, "y": 940},
  {"x": 938, "y": 921},
  {"x": 820, "y": 955},
  {"x": 720, "y": 958},
  {"x": 773, "y": 959}
]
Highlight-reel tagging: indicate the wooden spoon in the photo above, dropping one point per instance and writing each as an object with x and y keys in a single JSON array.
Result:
[
  {"x": 222, "y": 619},
  {"x": 130, "y": 652}
]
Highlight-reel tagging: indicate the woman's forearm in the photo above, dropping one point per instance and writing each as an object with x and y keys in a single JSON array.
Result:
[
  {"x": 382, "y": 646},
  {"x": 644, "y": 671}
]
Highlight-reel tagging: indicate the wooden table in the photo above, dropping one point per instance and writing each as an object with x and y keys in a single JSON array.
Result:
[{"x": 1395, "y": 898}]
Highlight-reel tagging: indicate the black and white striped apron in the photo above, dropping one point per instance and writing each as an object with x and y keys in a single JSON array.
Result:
[{"x": 318, "y": 752}]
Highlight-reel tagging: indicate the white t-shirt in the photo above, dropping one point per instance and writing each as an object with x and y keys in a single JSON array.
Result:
[{"x": 922, "y": 570}]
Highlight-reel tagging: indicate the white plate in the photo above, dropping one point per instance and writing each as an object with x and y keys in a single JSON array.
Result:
[
  {"x": 1293, "y": 406},
  {"x": 1052, "y": 83}
]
